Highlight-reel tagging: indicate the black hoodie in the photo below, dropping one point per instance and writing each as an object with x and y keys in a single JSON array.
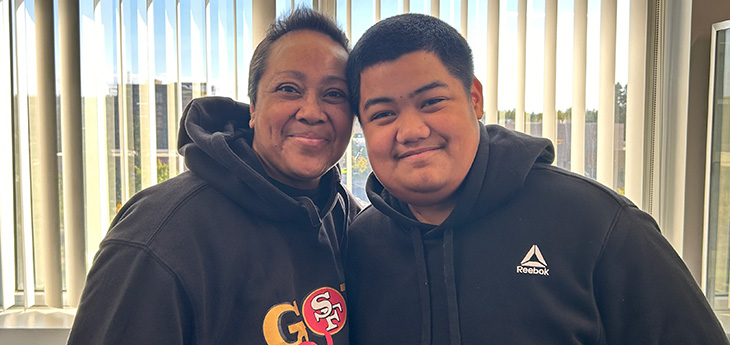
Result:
[
  {"x": 531, "y": 254},
  {"x": 219, "y": 254}
]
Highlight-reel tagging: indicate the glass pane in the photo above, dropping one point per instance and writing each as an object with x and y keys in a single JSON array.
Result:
[
  {"x": 221, "y": 49},
  {"x": 719, "y": 189},
  {"x": 244, "y": 36},
  {"x": 564, "y": 81},
  {"x": 622, "y": 77},
  {"x": 136, "y": 96},
  {"x": 420, "y": 6},
  {"x": 534, "y": 62},
  {"x": 593, "y": 39},
  {"x": 389, "y": 8},
  {"x": 166, "y": 93},
  {"x": 363, "y": 17},
  {"x": 360, "y": 164},
  {"x": 192, "y": 42},
  {"x": 450, "y": 12}
]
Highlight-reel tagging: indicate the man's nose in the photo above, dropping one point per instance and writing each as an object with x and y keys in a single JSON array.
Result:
[{"x": 411, "y": 127}]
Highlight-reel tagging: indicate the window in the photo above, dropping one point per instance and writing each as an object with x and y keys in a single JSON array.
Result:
[
  {"x": 554, "y": 69},
  {"x": 717, "y": 192}
]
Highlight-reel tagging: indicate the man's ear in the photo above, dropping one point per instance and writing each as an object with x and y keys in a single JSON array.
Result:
[
  {"x": 252, "y": 112},
  {"x": 477, "y": 98}
]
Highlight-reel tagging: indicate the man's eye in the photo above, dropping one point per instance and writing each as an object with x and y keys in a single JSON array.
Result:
[
  {"x": 380, "y": 115},
  {"x": 432, "y": 101}
]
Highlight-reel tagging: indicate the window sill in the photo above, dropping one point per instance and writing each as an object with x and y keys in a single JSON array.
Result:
[{"x": 36, "y": 326}]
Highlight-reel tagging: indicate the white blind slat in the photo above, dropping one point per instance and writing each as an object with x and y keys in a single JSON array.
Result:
[{"x": 606, "y": 100}]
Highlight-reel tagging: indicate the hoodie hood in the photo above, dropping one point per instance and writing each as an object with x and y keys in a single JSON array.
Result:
[
  {"x": 215, "y": 139},
  {"x": 504, "y": 159}
]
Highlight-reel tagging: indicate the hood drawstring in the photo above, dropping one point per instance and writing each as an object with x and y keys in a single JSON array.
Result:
[
  {"x": 424, "y": 289},
  {"x": 450, "y": 282}
]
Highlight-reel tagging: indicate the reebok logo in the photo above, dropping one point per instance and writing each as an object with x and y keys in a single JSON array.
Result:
[{"x": 533, "y": 263}]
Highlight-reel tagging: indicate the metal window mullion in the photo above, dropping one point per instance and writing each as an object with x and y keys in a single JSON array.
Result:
[
  {"x": 49, "y": 219},
  {"x": 606, "y": 100},
  {"x": 521, "y": 64},
  {"x": 491, "y": 89},
  {"x": 406, "y": 6},
  {"x": 7, "y": 185},
  {"x": 436, "y": 8},
  {"x": 72, "y": 147},
  {"x": 549, "y": 116},
  {"x": 578, "y": 110},
  {"x": 635, "y": 102}
]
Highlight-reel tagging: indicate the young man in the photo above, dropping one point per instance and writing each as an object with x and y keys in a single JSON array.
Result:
[
  {"x": 245, "y": 247},
  {"x": 473, "y": 237}
]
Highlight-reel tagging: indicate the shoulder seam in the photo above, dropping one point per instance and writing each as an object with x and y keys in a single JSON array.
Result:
[
  {"x": 173, "y": 211},
  {"x": 145, "y": 248},
  {"x": 604, "y": 189}
]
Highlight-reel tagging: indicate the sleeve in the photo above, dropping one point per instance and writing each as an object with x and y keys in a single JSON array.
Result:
[
  {"x": 645, "y": 293},
  {"x": 131, "y": 298}
]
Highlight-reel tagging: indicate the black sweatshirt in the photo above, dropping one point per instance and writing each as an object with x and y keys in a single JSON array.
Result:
[
  {"x": 531, "y": 254},
  {"x": 219, "y": 254}
]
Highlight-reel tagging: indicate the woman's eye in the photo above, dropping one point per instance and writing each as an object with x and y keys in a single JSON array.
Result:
[
  {"x": 286, "y": 88},
  {"x": 335, "y": 94}
]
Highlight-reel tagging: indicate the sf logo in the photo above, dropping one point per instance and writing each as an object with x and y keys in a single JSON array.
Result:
[
  {"x": 324, "y": 313},
  {"x": 322, "y": 310}
]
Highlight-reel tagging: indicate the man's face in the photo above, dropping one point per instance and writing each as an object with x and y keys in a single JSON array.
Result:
[
  {"x": 301, "y": 118},
  {"x": 420, "y": 127}
]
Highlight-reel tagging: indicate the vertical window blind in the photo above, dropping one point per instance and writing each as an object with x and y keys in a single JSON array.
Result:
[{"x": 94, "y": 90}]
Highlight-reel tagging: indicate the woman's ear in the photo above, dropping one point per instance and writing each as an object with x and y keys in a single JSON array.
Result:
[
  {"x": 252, "y": 112},
  {"x": 477, "y": 98}
]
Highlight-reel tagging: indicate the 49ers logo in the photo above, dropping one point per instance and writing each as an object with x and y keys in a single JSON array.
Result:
[{"x": 323, "y": 311}]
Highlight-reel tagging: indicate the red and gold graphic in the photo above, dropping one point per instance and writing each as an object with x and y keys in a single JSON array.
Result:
[{"x": 323, "y": 311}]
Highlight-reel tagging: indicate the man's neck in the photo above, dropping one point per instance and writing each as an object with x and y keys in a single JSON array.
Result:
[{"x": 433, "y": 214}]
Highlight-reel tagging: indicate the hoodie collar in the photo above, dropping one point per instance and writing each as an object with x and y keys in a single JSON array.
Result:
[
  {"x": 504, "y": 159},
  {"x": 215, "y": 139}
]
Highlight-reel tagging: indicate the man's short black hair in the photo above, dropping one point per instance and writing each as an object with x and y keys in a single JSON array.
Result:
[
  {"x": 396, "y": 36},
  {"x": 301, "y": 18}
]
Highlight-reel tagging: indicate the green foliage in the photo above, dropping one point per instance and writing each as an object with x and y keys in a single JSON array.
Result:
[
  {"x": 163, "y": 171},
  {"x": 509, "y": 115},
  {"x": 535, "y": 117},
  {"x": 620, "y": 109},
  {"x": 591, "y": 116}
]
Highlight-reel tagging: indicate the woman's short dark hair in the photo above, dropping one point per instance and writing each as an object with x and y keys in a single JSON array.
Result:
[
  {"x": 396, "y": 36},
  {"x": 299, "y": 19}
]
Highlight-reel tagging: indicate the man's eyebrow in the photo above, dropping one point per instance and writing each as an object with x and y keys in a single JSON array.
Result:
[
  {"x": 422, "y": 89},
  {"x": 373, "y": 101},
  {"x": 427, "y": 87}
]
